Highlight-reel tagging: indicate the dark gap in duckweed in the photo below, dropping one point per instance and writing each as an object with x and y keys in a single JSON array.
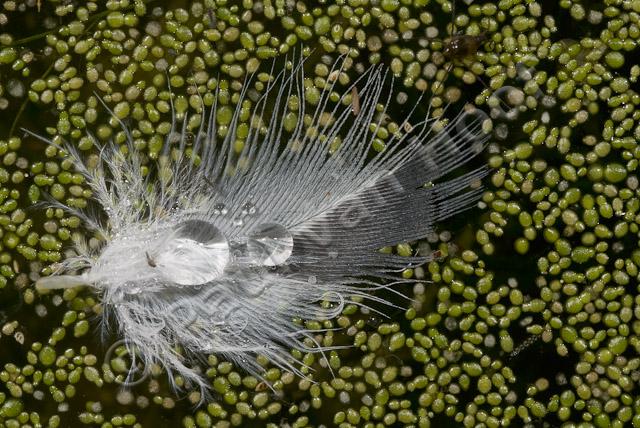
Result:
[
  {"x": 575, "y": 29},
  {"x": 538, "y": 361}
]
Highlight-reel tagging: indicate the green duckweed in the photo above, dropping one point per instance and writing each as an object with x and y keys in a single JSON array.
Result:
[{"x": 528, "y": 314}]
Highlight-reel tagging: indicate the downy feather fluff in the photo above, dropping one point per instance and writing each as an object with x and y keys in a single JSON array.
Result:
[{"x": 221, "y": 257}]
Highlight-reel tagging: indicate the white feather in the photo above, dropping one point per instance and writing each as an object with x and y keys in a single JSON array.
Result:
[{"x": 222, "y": 256}]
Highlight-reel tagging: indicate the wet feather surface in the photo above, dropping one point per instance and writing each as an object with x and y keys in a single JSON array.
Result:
[{"x": 220, "y": 251}]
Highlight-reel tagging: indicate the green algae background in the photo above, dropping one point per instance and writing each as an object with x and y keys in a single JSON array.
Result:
[{"x": 529, "y": 314}]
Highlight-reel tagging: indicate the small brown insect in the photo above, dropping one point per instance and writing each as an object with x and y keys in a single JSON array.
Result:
[
  {"x": 462, "y": 46},
  {"x": 459, "y": 47},
  {"x": 355, "y": 101},
  {"x": 150, "y": 260}
]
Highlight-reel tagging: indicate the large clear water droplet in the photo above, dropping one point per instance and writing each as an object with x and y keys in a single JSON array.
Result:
[
  {"x": 270, "y": 244},
  {"x": 197, "y": 254}
]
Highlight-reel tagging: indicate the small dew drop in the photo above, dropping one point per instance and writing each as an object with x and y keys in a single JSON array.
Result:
[
  {"x": 248, "y": 209},
  {"x": 219, "y": 209}
]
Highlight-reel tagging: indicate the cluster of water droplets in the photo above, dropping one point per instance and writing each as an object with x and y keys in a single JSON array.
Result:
[
  {"x": 200, "y": 252},
  {"x": 220, "y": 209}
]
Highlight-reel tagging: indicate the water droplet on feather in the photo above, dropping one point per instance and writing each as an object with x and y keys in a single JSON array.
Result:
[
  {"x": 270, "y": 244},
  {"x": 197, "y": 255}
]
